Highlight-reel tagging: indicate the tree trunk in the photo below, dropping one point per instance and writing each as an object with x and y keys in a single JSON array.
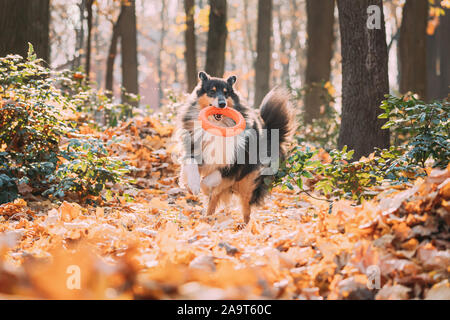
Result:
[
  {"x": 189, "y": 38},
  {"x": 217, "y": 38},
  {"x": 112, "y": 52},
  {"x": 319, "y": 53},
  {"x": 364, "y": 78},
  {"x": 412, "y": 47},
  {"x": 160, "y": 53},
  {"x": 263, "y": 50},
  {"x": 438, "y": 64},
  {"x": 79, "y": 36},
  {"x": 249, "y": 49},
  {"x": 23, "y": 21},
  {"x": 128, "y": 46},
  {"x": 89, "y": 38},
  {"x": 97, "y": 46},
  {"x": 284, "y": 52},
  {"x": 294, "y": 40}
]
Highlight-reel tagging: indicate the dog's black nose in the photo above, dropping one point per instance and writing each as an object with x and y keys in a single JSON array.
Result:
[{"x": 222, "y": 104}]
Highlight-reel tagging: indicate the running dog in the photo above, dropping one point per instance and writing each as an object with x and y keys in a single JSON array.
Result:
[{"x": 242, "y": 165}]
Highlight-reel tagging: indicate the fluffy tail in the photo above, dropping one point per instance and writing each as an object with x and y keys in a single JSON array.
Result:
[{"x": 277, "y": 113}]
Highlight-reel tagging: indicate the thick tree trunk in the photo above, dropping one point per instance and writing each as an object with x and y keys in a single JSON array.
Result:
[
  {"x": 23, "y": 21},
  {"x": 89, "y": 38},
  {"x": 217, "y": 38},
  {"x": 412, "y": 47},
  {"x": 189, "y": 38},
  {"x": 129, "y": 50},
  {"x": 364, "y": 78},
  {"x": 263, "y": 50},
  {"x": 438, "y": 63},
  {"x": 112, "y": 52},
  {"x": 319, "y": 53}
]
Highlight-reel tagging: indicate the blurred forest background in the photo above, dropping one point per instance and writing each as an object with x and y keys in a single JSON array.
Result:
[
  {"x": 338, "y": 58},
  {"x": 160, "y": 45}
]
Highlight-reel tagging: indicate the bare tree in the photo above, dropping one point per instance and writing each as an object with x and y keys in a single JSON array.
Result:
[
  {"x": 129, "y": 50},
  {"x": 190, "y": 42},
  {"x": 217, "y": 38},
  {"x": 248, "y": 47},
  {"x": 23, "y": 21},
  {"x": 364, "y": 77},
  {"x": 124, "y": 29},
  {"x": 79, "y": 36},
  {"x": 294, "y": 40},
  {"x": 284, "y": 52},
  {"x": 112, "y": 53},
  {"x": 89, "y": 5},
  {"x": 263, "y": 50},
  {"x": 412, "y": 47},
  {"x": 159, "y": 59},
  {"x": 319, "y": 53}
]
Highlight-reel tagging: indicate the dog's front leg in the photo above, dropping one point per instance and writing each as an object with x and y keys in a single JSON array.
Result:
[{"x": 191, "y": 175}]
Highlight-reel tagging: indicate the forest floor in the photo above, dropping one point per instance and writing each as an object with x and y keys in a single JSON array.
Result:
[{"x": 160, "y": 244}]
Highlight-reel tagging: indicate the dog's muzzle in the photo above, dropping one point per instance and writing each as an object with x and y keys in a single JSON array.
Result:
[{"x": 222, "y": 103}]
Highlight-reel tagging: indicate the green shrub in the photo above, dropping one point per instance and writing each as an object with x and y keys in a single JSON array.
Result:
[
  {"x": 87, "y": 168},
  {"x": 424, "y": 128},
  {"x": 341, "y": 178},
  {"x": 421, "y": 132},
  {"x": 97, "y": 105},
  {"x": 31, "y": 127}
]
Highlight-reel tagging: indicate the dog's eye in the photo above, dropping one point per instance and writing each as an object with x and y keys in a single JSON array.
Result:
[{"x": 212, "y": 91}]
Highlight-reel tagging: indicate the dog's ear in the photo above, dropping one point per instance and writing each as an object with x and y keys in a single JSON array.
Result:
[
  {"x": 231, "y": 80},
  {"x": 203, "y": 76}
]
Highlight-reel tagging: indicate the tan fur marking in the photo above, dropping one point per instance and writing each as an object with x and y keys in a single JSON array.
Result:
[
  {"x": 230, "y": 103},
  {"x": 204, "y": 101}
]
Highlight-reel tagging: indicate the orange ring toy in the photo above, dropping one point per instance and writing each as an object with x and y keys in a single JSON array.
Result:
[{"x": 222, "y": 131}]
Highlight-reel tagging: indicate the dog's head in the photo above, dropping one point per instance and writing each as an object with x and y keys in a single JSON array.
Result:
[{"x": 215, "y": 92}]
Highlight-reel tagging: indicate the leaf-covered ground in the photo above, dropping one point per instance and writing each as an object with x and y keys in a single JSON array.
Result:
[{"x": 160, "y": 245}]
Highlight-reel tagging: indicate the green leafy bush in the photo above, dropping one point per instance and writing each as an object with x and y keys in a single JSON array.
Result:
[
  {"x": 31, "y": 128},
  {"x": 424, "y": 128},
  {"x": 342, "y": 178},
  {"x": 98, "y": 105},
  {"x": 87, "y": 168},
  {"x": 421, "y": 132}
]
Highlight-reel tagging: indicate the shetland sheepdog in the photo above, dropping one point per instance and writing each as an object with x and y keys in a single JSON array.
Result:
[{"x": 242, "y": 165}]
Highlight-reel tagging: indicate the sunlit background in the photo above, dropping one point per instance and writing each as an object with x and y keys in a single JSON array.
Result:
[{"x": 160, "y": 33}]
